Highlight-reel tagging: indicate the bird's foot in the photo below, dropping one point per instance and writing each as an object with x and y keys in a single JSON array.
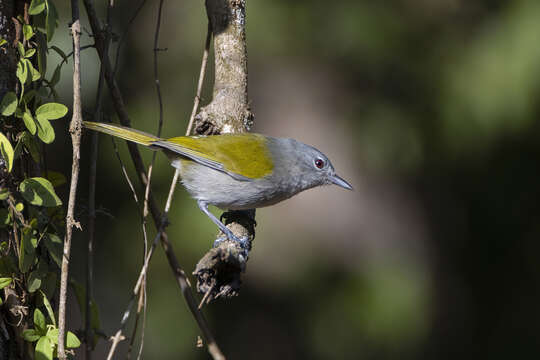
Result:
[{"x": 243, "y": 241}]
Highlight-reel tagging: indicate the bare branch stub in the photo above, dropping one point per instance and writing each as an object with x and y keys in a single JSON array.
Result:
[{"x": 219, "y": 270}]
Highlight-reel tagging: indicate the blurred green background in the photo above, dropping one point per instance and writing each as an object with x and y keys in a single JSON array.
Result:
[{"x": 429, "y": 108}]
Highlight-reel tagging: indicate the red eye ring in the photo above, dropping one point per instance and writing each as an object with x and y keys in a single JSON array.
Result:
[{"x": 319, "y": 163}]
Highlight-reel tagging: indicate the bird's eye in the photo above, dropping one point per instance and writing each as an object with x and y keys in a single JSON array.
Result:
[{"x": 319, "y": 163}]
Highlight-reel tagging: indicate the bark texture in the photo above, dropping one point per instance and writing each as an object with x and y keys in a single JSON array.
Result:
[{"x": 218, "y": 272}]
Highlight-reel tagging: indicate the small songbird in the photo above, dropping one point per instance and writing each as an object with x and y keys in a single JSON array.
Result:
[{"x": 237, "y": 171}]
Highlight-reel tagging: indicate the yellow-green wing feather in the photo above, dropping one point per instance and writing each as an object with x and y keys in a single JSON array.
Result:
[
  {"x": 243, "y": 156},
  {"x": 246, "y": 155},
  {"x": 140, "y": 137}
]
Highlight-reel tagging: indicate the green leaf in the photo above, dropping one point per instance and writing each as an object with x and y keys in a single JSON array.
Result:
[
  {"x": 30, "y": 143},
  {"x": 30, "y": 53},
  {"x": 36, "y": 7},
  {"x": 28, "y": 250},
  {"x": 39, "y": 322},
  {"x": 5, "y": 282},
  {"x": 34, "y": 281},
  {"x": 72, "y": 341},
  {"x": 7, "y": 151},
  {"x": 55, "y": 247},
  {"x": 4, "y": 193},
  {"x": 30, "y": 335},
  {"x": 52, "y": 334},
  {"x": 22, "y": 71},
  {"x": 35, "y": 75},
  {"x": 29, "y": 122},
  {"x": 48, "y": 307},
  {"x": 3, "y": 41},
  {"x": 19, "y": 207},
  {"x": 49, "y": 284},
  {"x": 51, "y": 20},
  {"x": 39, "y": 191},
  {"x": 28, "y": 31},
  {"x": 8, "y": 104},
  {"x": 45, "y": 130},
  {"x": 44, "y": 349},
  {"x": 51, "y": 111},
  {"x": 20, "y": 47}
]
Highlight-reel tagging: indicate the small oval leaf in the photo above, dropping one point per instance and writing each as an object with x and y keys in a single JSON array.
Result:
[
  {"x": 8, "y": 104},
  {"x": 39, "y": 191},
  {"x": 72, "y": 341},
  {"x": 29, "y": 122},
  {"x": 45, "y": 130},
  {"x": 28, "y": 31},
  {"x": 48, "y": 307},
  {"x": 30, "y": 335},
  {"x": 36, "y": 7},
  {"x": 22, "y": 71},
  {"x": 30, "y": 53},
  {"x": 5, "y": 282},
  {"x": 44, "y": 349},
  {"x": 34, "y": 74},
  {"x": 51, "y": 21},
  {"x": 34, "y": 281},
  {"x": 51, "y": 111},
  {"x": 39, "y": 322},
  {"x": 7, "y": 151}
]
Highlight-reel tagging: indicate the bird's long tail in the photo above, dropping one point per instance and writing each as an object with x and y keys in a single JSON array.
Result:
[{"x": 122, "y": 132}]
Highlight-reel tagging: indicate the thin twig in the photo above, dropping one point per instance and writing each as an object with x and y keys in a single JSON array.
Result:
[
  {"x": 75, "y": 130},
  {"x": 201, "y": 79},
  {"x": 123, "y": 36}
]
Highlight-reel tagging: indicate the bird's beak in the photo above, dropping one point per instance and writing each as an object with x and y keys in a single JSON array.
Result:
[{"x": 340, "y": 182}]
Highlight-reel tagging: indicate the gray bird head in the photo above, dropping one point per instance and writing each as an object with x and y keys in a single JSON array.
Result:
[{"x": 308, "y": 166}]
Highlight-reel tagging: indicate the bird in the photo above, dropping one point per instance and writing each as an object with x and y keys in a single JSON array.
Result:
[{"x": 240, "y": 171}]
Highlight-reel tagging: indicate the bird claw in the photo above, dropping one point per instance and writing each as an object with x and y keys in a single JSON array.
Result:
[{"x": 243, "y": 241}]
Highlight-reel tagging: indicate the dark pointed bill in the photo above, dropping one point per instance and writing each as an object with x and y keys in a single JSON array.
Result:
[{"x": 340, "y": 182}]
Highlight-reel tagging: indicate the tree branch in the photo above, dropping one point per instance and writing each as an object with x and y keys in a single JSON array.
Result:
[
  {"x": 218, "y": 272},
  {"x": 75, "y": 130}
]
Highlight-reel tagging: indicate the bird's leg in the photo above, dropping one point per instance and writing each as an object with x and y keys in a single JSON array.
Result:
[
  {"x": 244, "y": 217},
  {"x": 204, "y": 208}
]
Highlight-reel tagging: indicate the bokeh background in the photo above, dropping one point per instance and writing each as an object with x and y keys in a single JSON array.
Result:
[{"x": 429, "y": 108}]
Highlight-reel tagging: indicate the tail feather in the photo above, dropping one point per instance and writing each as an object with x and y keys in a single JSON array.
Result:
[{"x": 122, "y": 132}]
